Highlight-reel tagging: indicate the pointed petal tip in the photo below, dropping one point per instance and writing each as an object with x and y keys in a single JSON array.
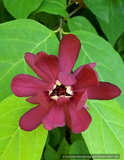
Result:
[
  {"x": 82, "y": 101},
  {"x": 92, "y": 65},
  {"x": 79, "y": 99},
  {"x": 87, "y": 77},
  {"x": 32, "y": 99}
]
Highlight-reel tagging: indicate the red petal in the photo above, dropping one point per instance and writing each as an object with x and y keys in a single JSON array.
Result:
[
  {"x": 67, "y": 116},
  {"x": 33, "y": 118},
  {"x": 68, "y": 52},
  {"x": 80, "y": 120},
  {"x": 48, "y": 64},
  {"x": 86, "y": 78},
  {"x": 62, "y": 100},
  {"x": 92, "y": 65},
  {"x": 25, "y": 85},
  {"x": 42, "y": 99},
  {"x": 40, "y": 55},
  {"x": 30, "y": 58},
  {"x": 51, "y": 85},
  {"x": 104, "y": 91},
  {"x": 79, "y": 99},
  {"x": 32, "y": 99},
  {"x": 55, "y": 118},
  {"x": 86, "y": 107},
  {"x": 67, "y": 79}
]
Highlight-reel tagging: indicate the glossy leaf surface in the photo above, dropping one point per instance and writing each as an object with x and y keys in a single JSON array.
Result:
[
  {"x": 114, "y": 28},
  {"x": 100, "y": 8},
  {"x": 54, "y": 7},
  {"x": 21, "y": 36},
  {"x": 80, "y": 23},
  {"x": 21, "y": 9},
  {"x": 96, "y": 49},
  {"x": 15, "y": 143},
  {"x": 106, "y": 129}
]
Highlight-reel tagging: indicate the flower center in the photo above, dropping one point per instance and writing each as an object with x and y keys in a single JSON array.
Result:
[{"x": 60, "y": 90}]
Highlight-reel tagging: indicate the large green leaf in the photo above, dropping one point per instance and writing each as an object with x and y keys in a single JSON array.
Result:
[
  {"x": 16, "y": 144},
  {"x": 75, "y": 137},
  {"x": 63, "y": 148},
  {"x": 16, "y": 38},
  {"x": 4, "y": 14},
  {"x": 115, "y": 27},
  {"x": 53, "y": 7},
  {"x": 21, "y": 8},
  {"x": 51, "y": 154},
  {"x": 110, "y": 66},
  {"x": 100, "y": 8},
  {"x": 80, "y": 23},
  {"x": 119, "y": 1},
  {"x": 54, "y": 137},
  {"x": 105, "y": 133},
  {"x": 78, "y": 148},
  {"x": 120, "y": 43},
  {"x": 43, "y": 17}
]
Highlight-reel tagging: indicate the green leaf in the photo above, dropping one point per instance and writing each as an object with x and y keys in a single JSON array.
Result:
[
  {"x": 105, "y": 133},
  {"x": 100, "y": 8},
  {"x": 115, "y": 27},
  {"x": 4, "y": 14},
  {"x": 80, "y": 23},
  {"x": 51, "y": 154},
  {"x": 16, "y": 38},
  {"x": 54, "y": 137},
  {"x": 110, "y": 67},
  {"x": 119, "y": 1},
  {"x": 120, "y": 43},
  {"x": 15, "y": 143},
  {"x": 78, "y": 148},
  {"x": 48, "y": 20},
  {"x": 75, "y": 137},
  {"x": 20, "y": 8},
  {"x": 53, "y": 7},
  {"x": 63, "y": 148}
]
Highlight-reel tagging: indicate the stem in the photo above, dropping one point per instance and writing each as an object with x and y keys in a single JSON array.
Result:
[
  {"x": 73, "y": 12},
  {"x": 61, "y": 29},
  {"x": 57, "y": 30},
  {"x": 65, "y": 32},
  {"x": 70, "y": 3}
]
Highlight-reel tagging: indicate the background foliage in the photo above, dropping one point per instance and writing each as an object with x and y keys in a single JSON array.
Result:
[{"x": 33, "y": 26}]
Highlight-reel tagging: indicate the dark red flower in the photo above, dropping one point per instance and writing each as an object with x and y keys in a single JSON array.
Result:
[{"x": 60, "y": 95}]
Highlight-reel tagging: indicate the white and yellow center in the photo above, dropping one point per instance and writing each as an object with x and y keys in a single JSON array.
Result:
[{"x": 60, "y": 90}]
